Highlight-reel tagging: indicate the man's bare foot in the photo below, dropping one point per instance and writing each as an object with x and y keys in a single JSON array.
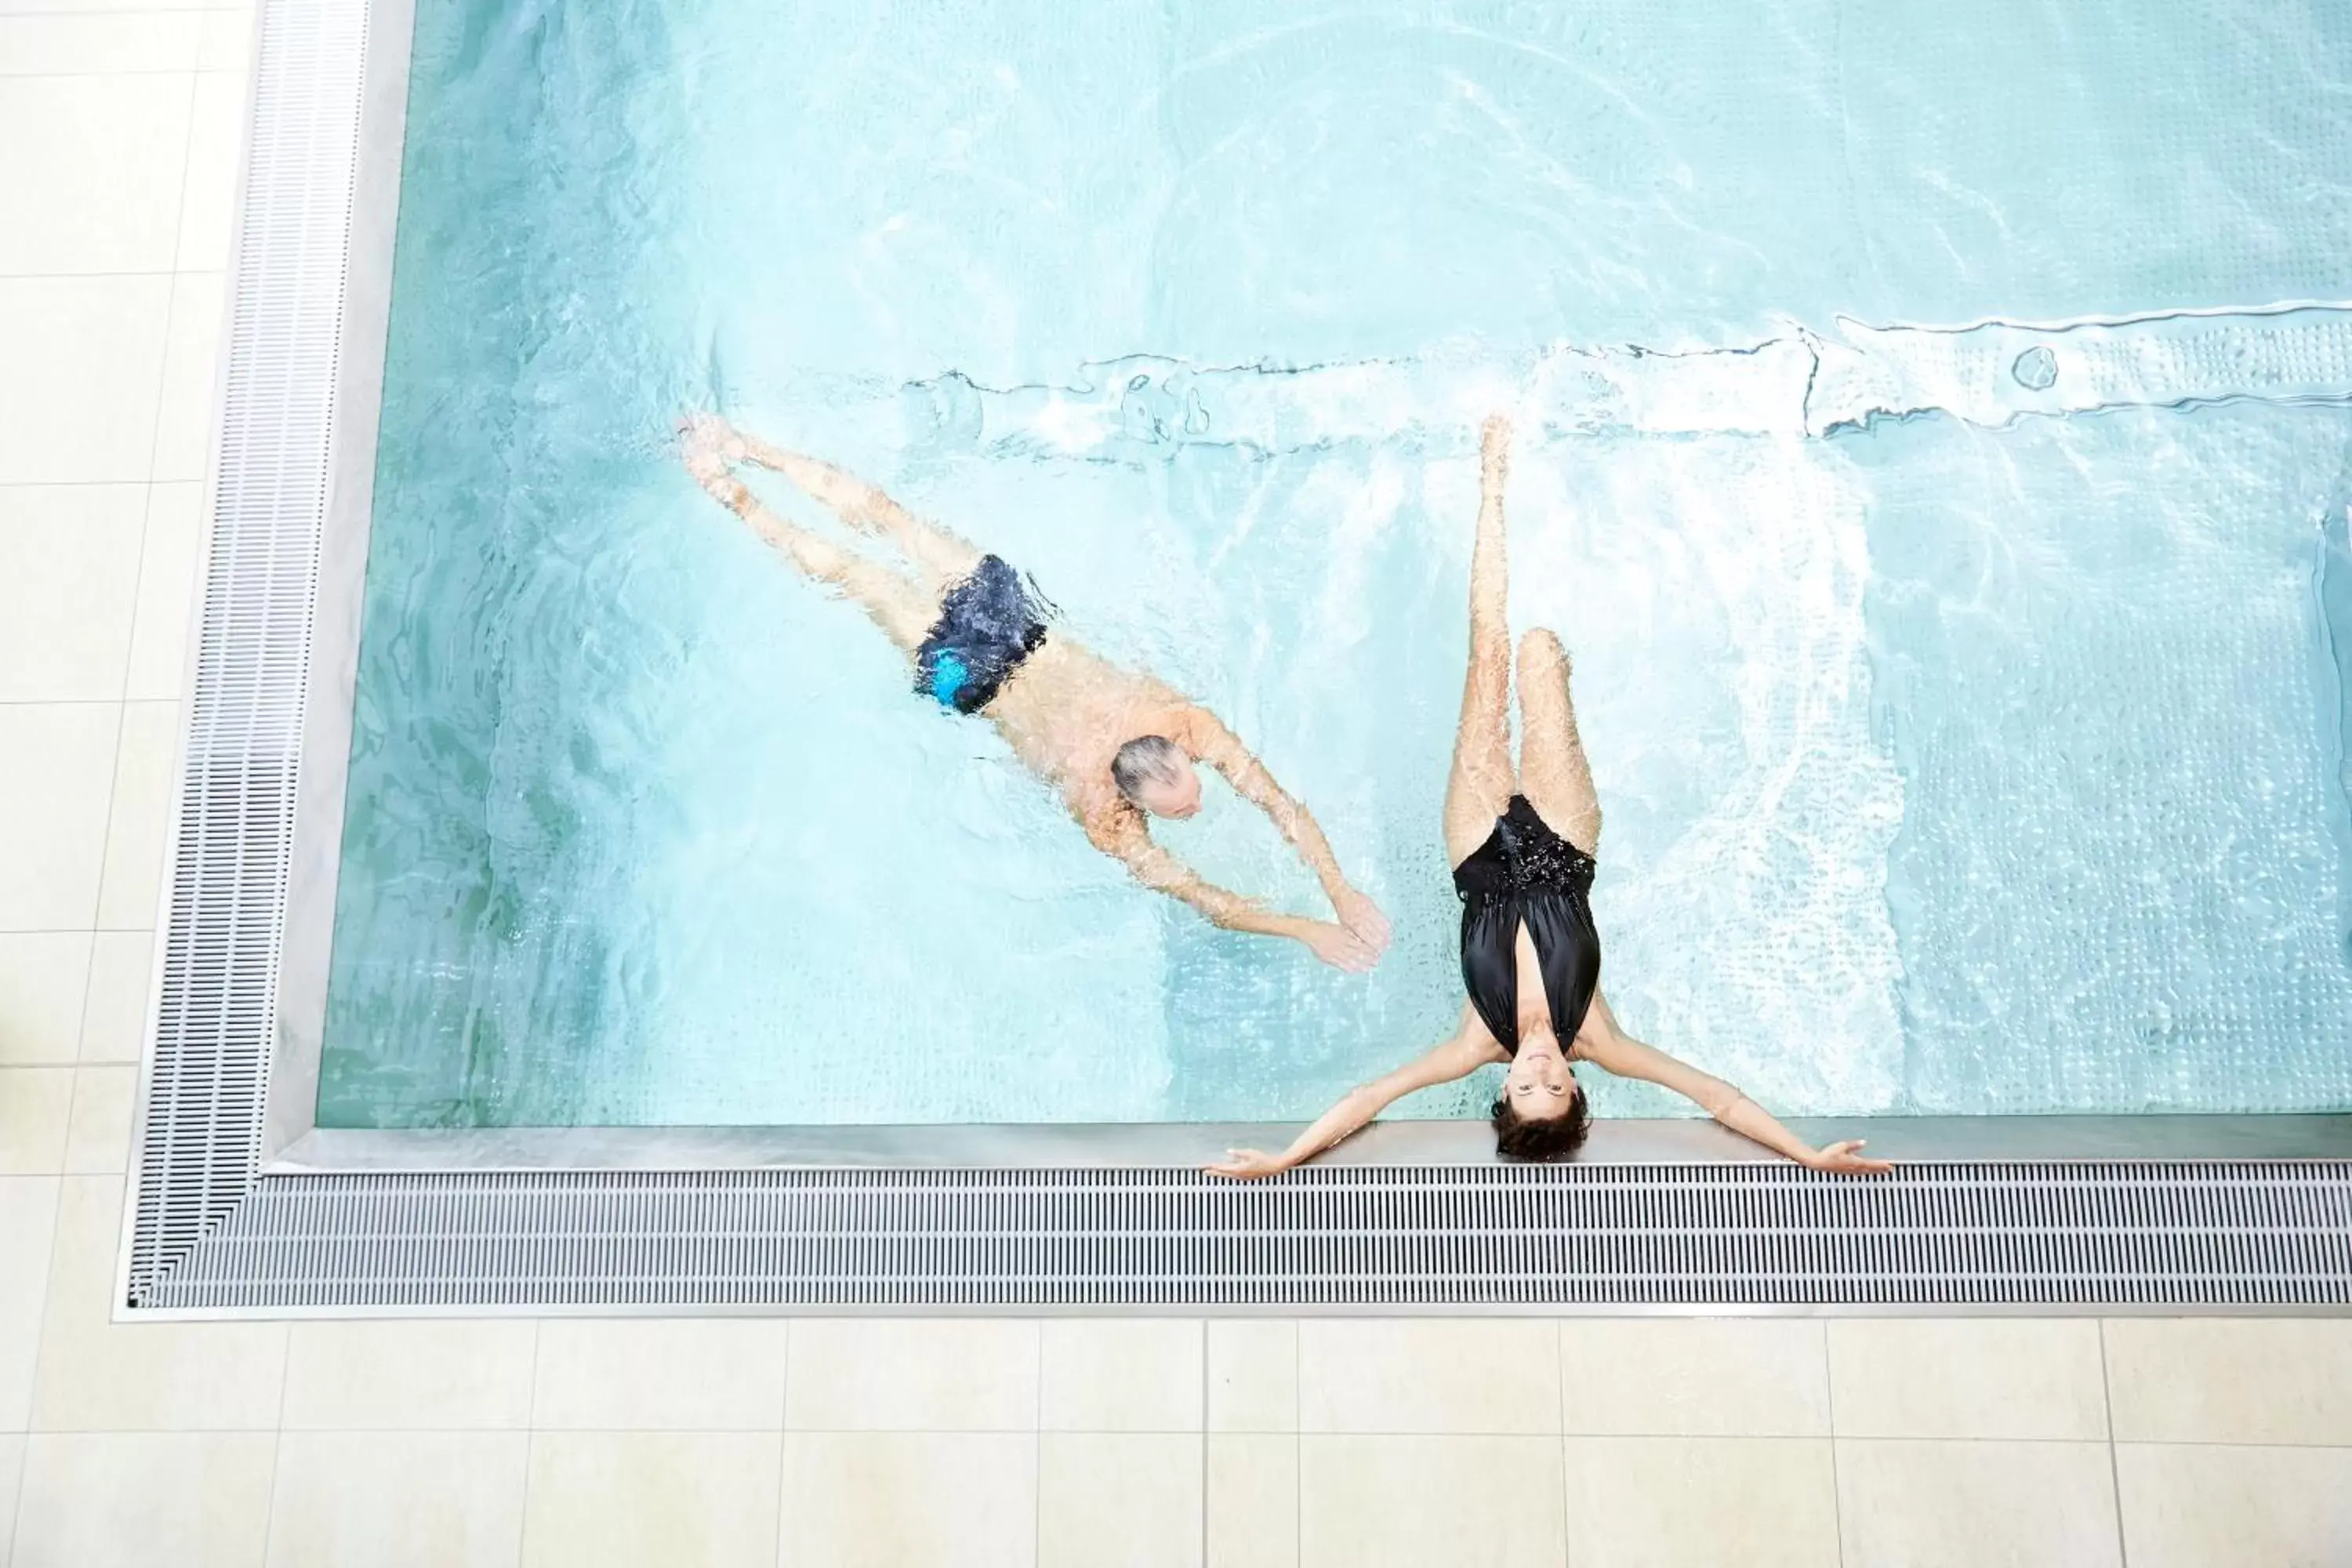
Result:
[{"x": 714, "y": 432}]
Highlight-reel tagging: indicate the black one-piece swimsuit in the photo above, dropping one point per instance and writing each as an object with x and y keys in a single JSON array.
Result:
[{"x": 1525, "y": 873}]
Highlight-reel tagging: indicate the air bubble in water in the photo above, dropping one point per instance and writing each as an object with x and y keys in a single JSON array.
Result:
[{"x": 2036, "y": 369}]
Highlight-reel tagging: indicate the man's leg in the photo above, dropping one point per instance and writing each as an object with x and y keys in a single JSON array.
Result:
[
  {"x": 904, "y": 611},
  {"x": 941, "y": 556}
]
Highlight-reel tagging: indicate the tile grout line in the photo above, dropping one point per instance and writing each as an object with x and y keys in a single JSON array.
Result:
[
  {"x": 1298, "y": 1455},
  {"x": 1203, "y": 1324},
  {"x": 276, "y": 1443},
  {"x": 2114, "y": 1467},
  {"x": 1560, "y": 1368},
  {"x": 783, "y": 1439},
  {"x": 1837, "y": 1482},
  {"x": 40, "y": 1331},
  {"x": 1037, "y": 1457},
  {"x": 125, "y": 11},
  {"x": 530, "y": 1446}
]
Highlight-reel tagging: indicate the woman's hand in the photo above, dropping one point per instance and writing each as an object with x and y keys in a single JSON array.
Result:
[
  {"x": 1340, "y": 947},
  {"x": 1247, "y": 1164},
  {"x": 1363, "y": 919},
  {"x": 1846, "y": 1159}
]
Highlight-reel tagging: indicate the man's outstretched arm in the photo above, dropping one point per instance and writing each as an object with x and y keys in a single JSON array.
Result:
[
  {"x": 1214, "y": 744},
  {"x": 1156, "y": 869}
]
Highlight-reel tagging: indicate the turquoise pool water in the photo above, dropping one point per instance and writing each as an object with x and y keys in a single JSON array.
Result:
[{"x": 1966, "y": 685}]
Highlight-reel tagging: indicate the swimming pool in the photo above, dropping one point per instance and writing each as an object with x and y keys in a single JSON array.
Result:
[{"x": 1971, "y": 741}]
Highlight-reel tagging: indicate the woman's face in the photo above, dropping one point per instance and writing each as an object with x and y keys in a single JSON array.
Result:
[{"x": 1539, "y": 1083}]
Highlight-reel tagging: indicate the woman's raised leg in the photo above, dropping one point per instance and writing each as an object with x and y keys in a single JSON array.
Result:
[
  {"x": 1482, "y": 782},
  {"x": 1553, "y": 772}
]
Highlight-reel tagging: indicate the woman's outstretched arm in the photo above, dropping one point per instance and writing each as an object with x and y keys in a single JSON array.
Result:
[
  {"x": 1603, "y": 1044},
  {"x": 1470, "y": 1048}
]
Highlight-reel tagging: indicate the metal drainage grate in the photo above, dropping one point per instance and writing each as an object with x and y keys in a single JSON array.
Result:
[
  {"x": 234, "y": 828},
  {"x": 2245, "y": 1233}
]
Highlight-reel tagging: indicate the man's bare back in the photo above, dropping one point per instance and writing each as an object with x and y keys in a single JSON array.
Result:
[{"x": 1118, "y": 745}]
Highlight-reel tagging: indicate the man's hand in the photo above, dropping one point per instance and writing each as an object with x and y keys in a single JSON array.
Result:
[
  {"x": 1846, "y": 1159},
  {"x": 1247, "y": 1165},
  {"x": 1363, "y": 919},
  {"x": 1340, "y": 947}
]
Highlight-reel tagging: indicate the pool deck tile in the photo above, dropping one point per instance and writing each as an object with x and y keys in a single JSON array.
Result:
[
  {"x": 1963, "y": 1504},
  {"x": 1760, "y": 1502},
  {"x": 2232, "y": 1380},
  {"x": 387, "y": 1374},
  {"x": 398, "y": 1500},
  {"x": 1724, "y": 1377},
  {"x": 1106, "y": 1374},
  {"x": 1129, "y": 1497},
  {"x": 1982, "y": 1377}
]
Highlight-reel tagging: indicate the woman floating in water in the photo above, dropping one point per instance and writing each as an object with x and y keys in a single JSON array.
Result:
[
  {"x": 1522, "y": 852},
  {"x": 1117, "y": 745}
]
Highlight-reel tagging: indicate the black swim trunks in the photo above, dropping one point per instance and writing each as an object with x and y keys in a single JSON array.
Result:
[
  {"x": 988, "y": 624},
  {"x": 1525, "y": 873}
]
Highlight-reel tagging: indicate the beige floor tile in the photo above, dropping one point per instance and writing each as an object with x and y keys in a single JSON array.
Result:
[
  {"x": 90, "y": 172},
  {"x": 1428, "y": 1374},
  {"x": 1253, "y": 1376},
  {"x": 418, "y": 1373},
  {"x": 114, "y": 42},
  {"x": 227, "y": 43},
  {"x": 2231, "y": 1380},
  {"x": 1664, "y": 1502},
  {"x": 137, "y": 1500},
  {"x": 1695, "y": 1377},
  {"x": 83, "y": 7},
  {"x": 168, "y": 560},
  {"x": 1411, "y": 1502},
  {"x": 635, "y": 1499},
  {"x": 1963, "y": 1504},
  {"x": 398, "y": 1500},
  {"x": 689, "y": 1374},
  {"x": 138, "y": 822},
  {"x": 909, "y": 1500},
  {"x": 1253, "y": 1501},
  {"x": 43, "y": 976},
  {"x": 57, "y": 768},
  {"x": 98, "y": 1139},
  {"x": 12, "y": 1468},
  {"x": 2188, "y": 1505},
  {"x": 1116, "y": 1374},
  {"x": 29, "y": 1218},
  {"x": 69, "y": 585},
  {"x": 1129, "y": 1498},
  {"x": 114, "y": 1009},
  {"x": 86, "y": 366},
  {"x": 188, "y": 405},
  {"x": 912, "y": 1374},
  {"x": 1967, "y": 1377},
  {"x": 216, "y": 131},
  {"x": 36, "y": 1110},
  {"x": 96, "y": 1375}
]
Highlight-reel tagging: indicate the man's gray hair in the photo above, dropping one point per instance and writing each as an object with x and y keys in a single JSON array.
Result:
[{"x": 1144, "y": 761}]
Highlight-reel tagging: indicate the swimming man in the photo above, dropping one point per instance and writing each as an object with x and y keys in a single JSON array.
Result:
[{"x": 1118, "y": 746}]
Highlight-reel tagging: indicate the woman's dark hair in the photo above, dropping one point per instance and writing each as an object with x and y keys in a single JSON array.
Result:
[{"x": 1546, "y": 1141}]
